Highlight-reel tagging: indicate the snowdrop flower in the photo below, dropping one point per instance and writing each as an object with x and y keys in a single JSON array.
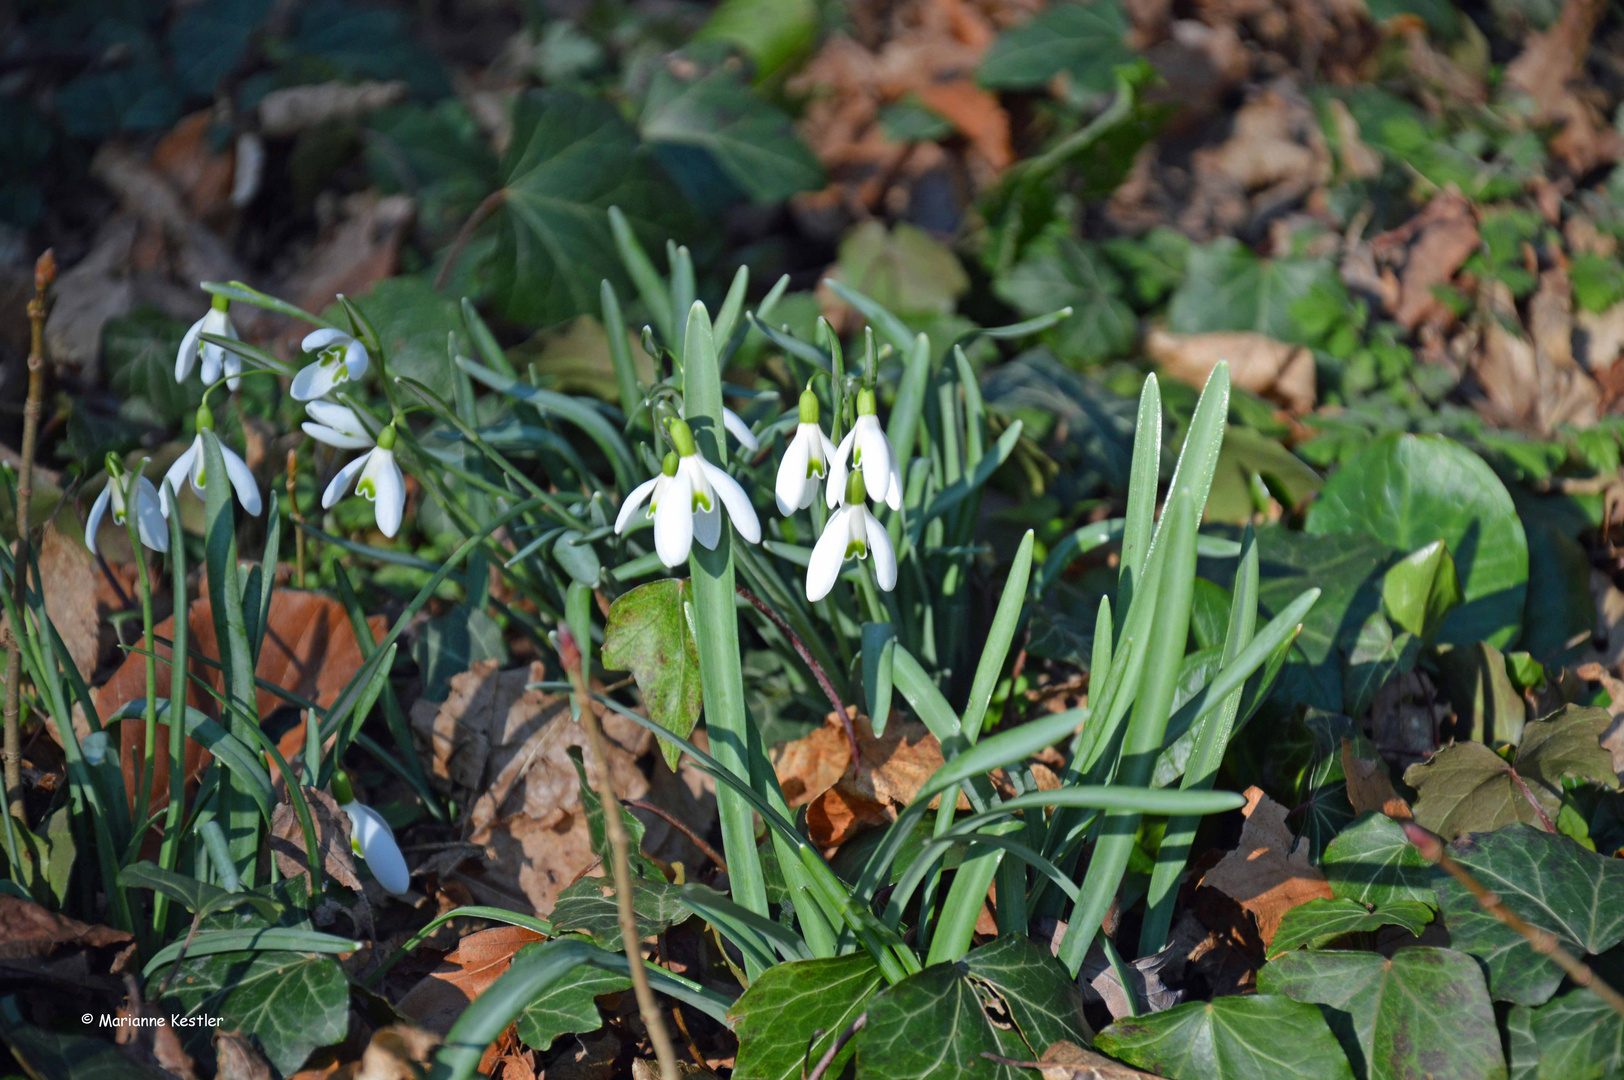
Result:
[
  {"x": 336, "y": 425},
  {"x": 867, "y": 449},
  {"x": 805, "y": 462},
  {"x": 191, "y": 465},
  {"x": 339, "y": 359},
  {"x": 740, "y": 430},
  {"x": 217, "y": 321},
  {"x": 372, "y": 838},
  {"x": 381, "y": 481},
  {"x": 683, "y": 502},
  {"x": 149, "y": 516},
  {"x": 852, "y": 532}
]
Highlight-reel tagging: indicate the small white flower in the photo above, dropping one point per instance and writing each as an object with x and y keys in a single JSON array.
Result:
[
  {"x": 381, "y": 482},
  {"x": 216, "y": 321},
  {"x": 805, "y": 462},
  {"x": 191, "y": 465},
  {"x": 150, "y": 525},
  {"x": 683, "y": 502},
  {"x": 867, "y": 449},
  {"x": 852, "y": 532},
  {"x": 740, "y": 430},
  {"x": 373, "y": 839},
  {"x": 339, "y": 359},
  {"x": 336, "y": 425}
]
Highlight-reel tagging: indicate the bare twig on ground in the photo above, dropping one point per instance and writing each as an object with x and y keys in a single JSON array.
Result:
[
  {"x": 818, "y": 673},
  {"x": 665, "y": 815},
  {"x": 620, "y": 863},
  {"x": 44, "y": 274}
]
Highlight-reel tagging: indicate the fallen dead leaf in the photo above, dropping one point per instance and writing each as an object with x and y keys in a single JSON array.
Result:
[
  {"x": 309, "y": 650},
  {"x": 1270, "y": 871},
  {"x": 362, "y": 248},
  {"x": 477, "y": 961},
  {"x": 1445, "y": 235},
  {"x": 293, "y": 109},
  {"x": 398, "y": 1052},
  {"x": 1068, "y": 1061},
  {"x": 1370, "y": 787},
  {"x": 238, "y": 1060},
  {"x": 204, "y": 176},
  {"x": 1600, "y": 339},
  {"x": 1273, "y": 369},
  {"x": 95, "y": 289},
  {"x": 1546, "y": 70},
  {"x": 332, "y": 826},
  {"x": 30, "y": 931}
]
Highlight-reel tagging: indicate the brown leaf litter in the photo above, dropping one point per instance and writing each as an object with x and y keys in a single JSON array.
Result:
[
  {"x": 1370, "y": 785},
  {"x": 1270, "y": 871},
  {"x": 502, "y": 751},
  {"x": 1276, "y": 370},
  {"x": 332, "y": 828},
  {"x": 1068, "y": 1061},
  {"x": 466, "y": 971},
  {"x": 1547, "y": 70}
]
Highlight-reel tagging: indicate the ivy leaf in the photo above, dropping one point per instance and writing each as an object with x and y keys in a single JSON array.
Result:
[
  {"x": 140, "y": 352},
  {"x": 1371, "y": 861},
  {"x": 413, "y": 322},
  {"x": 1086, "y": 41},
  {"x": 1573, "y": 1036},
  {"x": 292, "y": 1003},
  {"x": 1320, "y": 922},
  {"x": 1409, "y": 490},
  {"x": 1378, "y": 654},
  {"x": 1075, "y": 275},
  {"x": 905, "y": 270},
  {"x": 779, "y": 1018},
  {"x": 648, "y": 634},
  {"x": 1466, "y": 787},
  {"x": 719, "y": 141},
  {"x": 590, "y": 907},
  {"x": 1421, "y": 1012},
  {"x": 209, "y": 40},
  {"x": 641, "y": 865},
  {"x": 1226, "y": 287},
  {"x": 1420, "y": 589},
  {"x": 1261, "y": 1037},
  {"x": 933, "y": 1024},
  {"x": 1553, "y": 884},
  {"x": 568, "y": 1006},
  {"x": 1045, "y": 1004},
  {"x": 572, "y": 157}
]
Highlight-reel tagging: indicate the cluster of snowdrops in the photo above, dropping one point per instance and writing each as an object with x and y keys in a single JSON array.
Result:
[{"x": 685, "y": 501}]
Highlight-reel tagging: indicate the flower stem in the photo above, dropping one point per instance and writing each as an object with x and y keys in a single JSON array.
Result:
[{"x": 12, "y": 752}]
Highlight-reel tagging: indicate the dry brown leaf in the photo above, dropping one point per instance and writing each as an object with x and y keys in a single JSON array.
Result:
[
  {"x": 1369, "y": 785},
  {"x": 237, "y": 1059},
  {"x": 1445, "y": 235},
  {"x": 293, "y": 109},
  {"x": 30, "y": 931},
  {"x": 309, "y": 650},
  {"x": 1068, "y": 1061},
  {"x": 477, "y": 961},
  {"x": 397, "y": 1052},
  {"x": 1546, "y": 70},
  {"x": 1600, "y": 339},
  {"x": 1270, "y": 871},
  {"x": 332, "y": 826},
  {"x": 503, "y": 751},
  {"x": 95, "y": 289},
  {"x": 193, "y": 250},
  {"x": 1273, "y": 369},
  {"x": 186, "y": 157},
  {"x": 72, "y": 592},
  {"x": 354, "y": 254}
]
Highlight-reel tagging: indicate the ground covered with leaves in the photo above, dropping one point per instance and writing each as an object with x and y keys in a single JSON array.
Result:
[{"x": 1292, "y": 750}]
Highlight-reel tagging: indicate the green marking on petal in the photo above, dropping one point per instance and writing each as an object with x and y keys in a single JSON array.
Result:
[
  {"x": 367, "y": 488},
  {"x": 856, "y": 550},
  {"x": 701, "y": 502}
]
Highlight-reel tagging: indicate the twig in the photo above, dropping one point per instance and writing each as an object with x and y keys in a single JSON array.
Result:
[
  {"x": 1542, "y": 942},
  {"x": 298, "y": 518},
  {"x": 699, "y": 841},
  {"x": 829, "y": 1055},
  {"x": 615, "y": 829},
  {"x": 818, "y": 673},
  {"x": 481, "y": 212},
  {"x": 12, "y": 752},
  {"x": 1522, "y": 786}
]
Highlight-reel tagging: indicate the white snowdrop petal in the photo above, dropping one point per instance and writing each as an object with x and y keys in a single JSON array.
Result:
[
  {"x": 390, "y": 485},
  {"x": 314, "y": 380},
  {"x": 355, "y": 359},
  {"x": 875, "y": 456},
  {"x": 743, "y": 515},
  {"x": 333, "y": 437},
  {"x": 834, "y": 485},
  {"x": 378, "y": 847},
  {"x": 674, "y": 521},
  {"x": 150, "y": 523},
  {"x": 98, "y": 510},
  {"x": 320, "y": 339},
  {"x": 339, "y": 486},
  {"x": 735, "y": 424},
  {"x": 828, "y": 554},
  {"x": 879, "y": 547},
  {"x": 180, "y": 472},
  {"x": 186, "y": 358},
  {"x": 790, "y": 486},
  {"x": 640, "y": 495},
  {"x": 242, "y": 480}
]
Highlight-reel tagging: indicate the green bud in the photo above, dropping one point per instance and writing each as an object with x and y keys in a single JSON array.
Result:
[
  {"x": 669, "y": 465},
  {"x": 854, "y": 488},
  {"x": 809, "y": 407},
  {"x": 682, "y": 438},
  {"x": 865, "y": 402},
  {"x": 205, "y": 417},
  {"x": 386, "y": 438},
  {"x": 220, "y": 303},
  {"x": 342, "y": 792},
  {"x": 115, "y": 467}
]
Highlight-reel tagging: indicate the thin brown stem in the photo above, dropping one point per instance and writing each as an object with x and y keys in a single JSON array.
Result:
[
  {"x": 481, "y": 212},
  {"x": 298, "y": 518},
  {"x": 1542, "y": 942},
  {"x": 1522, "y": 786},
  {"x": 818, "y": 673},
  {"x": 699, "y": 841},
  {"x": 829, "y": 1055},
  {"x": 12, "y": 750},
  {"x": 620, "y": 862}
]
